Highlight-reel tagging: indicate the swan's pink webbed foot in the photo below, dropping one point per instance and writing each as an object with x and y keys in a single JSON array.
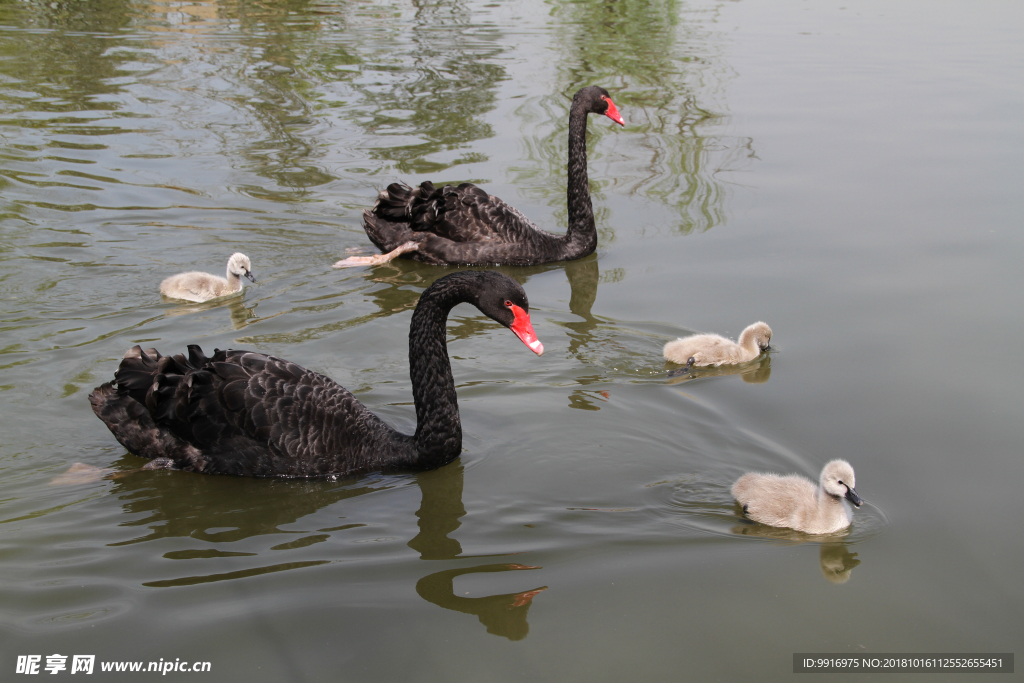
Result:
[
  {"x": 377, "y": 259},
  {"x": 80, "y": 473}
]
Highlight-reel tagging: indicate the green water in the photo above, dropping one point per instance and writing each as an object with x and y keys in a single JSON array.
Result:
[{"x": 846, "y": 172}]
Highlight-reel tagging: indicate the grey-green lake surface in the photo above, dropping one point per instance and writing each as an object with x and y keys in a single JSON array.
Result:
[{"x": 848, "y": 172}]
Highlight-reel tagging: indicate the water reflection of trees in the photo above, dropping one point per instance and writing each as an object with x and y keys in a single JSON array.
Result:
[
  {"x": 52, "y": 68},
  {"x": 89, "y": 58},
  {"x": 417, "y": 88},
  {"x": 275, "y": 76},
  {"x": 658, "y": 65},
  {"x": 430, "y": 90},
  {"x": 268, "y": 71},
  {"x": 63, "y": 65}
]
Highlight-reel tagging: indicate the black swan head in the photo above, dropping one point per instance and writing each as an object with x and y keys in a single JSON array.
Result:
[
  {"x": 596, "y": 100},
  {"x": 503, "y": 299}
]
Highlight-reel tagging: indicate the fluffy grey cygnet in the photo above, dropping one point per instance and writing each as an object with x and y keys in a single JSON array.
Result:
[
  {"x": 198, "y": 286},
  {"x": 712, "y": 349},
  {"x": 795, "y": 502}
]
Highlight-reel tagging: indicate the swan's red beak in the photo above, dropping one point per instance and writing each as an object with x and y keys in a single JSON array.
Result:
[
  {"x": 523, "y": 329},
  {"x": 613, "y": 112}
]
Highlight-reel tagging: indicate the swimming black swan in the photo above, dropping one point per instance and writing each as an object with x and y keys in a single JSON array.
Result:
[
  {"x": 465, "y": 225},
  {"x": 248, "y": 414}
]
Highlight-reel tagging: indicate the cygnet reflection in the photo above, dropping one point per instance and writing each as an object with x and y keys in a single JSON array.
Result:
[
  {"x": 241, "y": 315},
  {"x": 757, "y": 372},
  {"x": 836, "y": 559}
]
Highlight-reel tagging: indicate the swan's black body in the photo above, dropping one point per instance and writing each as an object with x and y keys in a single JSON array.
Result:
[
  {"x": 244, "y": 413},
  {"x": 465, "y": 225}
]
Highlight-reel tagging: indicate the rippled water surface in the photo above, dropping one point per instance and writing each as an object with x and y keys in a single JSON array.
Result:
[{"x": 848, "y": 172}]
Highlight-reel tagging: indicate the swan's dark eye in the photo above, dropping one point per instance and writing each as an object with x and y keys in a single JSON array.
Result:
[{"x": 508, "y": 303}]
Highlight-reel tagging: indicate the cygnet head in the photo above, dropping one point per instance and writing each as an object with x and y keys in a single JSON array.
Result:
[
  {"x": 759, "y": 333},
  {"x": 837, "y": 480},
  {"x": 238, "y": 265}
]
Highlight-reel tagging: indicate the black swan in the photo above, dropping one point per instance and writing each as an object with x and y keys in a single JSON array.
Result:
[
  {"x": 463, "y": 225},
  {"x": 247, "y": 414}
]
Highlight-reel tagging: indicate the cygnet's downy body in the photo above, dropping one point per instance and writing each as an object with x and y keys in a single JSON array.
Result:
[
  {"x": 794, "y": 502},
  {"x": 198, "y": 286},
  {"x": 712, "y": 349}
]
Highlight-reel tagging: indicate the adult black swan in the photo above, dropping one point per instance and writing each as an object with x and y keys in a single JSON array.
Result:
[
  {"x": 248, "y": 414},
  {"x": 465, "y": 225}
]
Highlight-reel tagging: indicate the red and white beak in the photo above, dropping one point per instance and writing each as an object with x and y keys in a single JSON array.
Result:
[
  {"x": 613, "y": 112},
  {"x": 523, "y": 329}
]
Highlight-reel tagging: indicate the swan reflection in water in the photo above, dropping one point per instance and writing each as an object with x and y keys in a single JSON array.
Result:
[
  {"x": 755, "y": 372},
  {"x": 211, "y": 509},
  {"x": 837, "y": 560},
  {"x": 241, "y": 315},
  {"x": 439, "y": 515},
  {"x": 502, "y": 615}
]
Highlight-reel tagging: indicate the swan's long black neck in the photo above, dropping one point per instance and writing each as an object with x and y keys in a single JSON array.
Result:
[
  {"x": 581, "y": 236},
  {"x": 438, "y": 437}
]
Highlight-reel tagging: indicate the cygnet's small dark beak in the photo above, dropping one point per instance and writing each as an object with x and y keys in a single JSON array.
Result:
[
  {"x": 851, "y": 495},
  {"x": 248, "y": 274}
]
